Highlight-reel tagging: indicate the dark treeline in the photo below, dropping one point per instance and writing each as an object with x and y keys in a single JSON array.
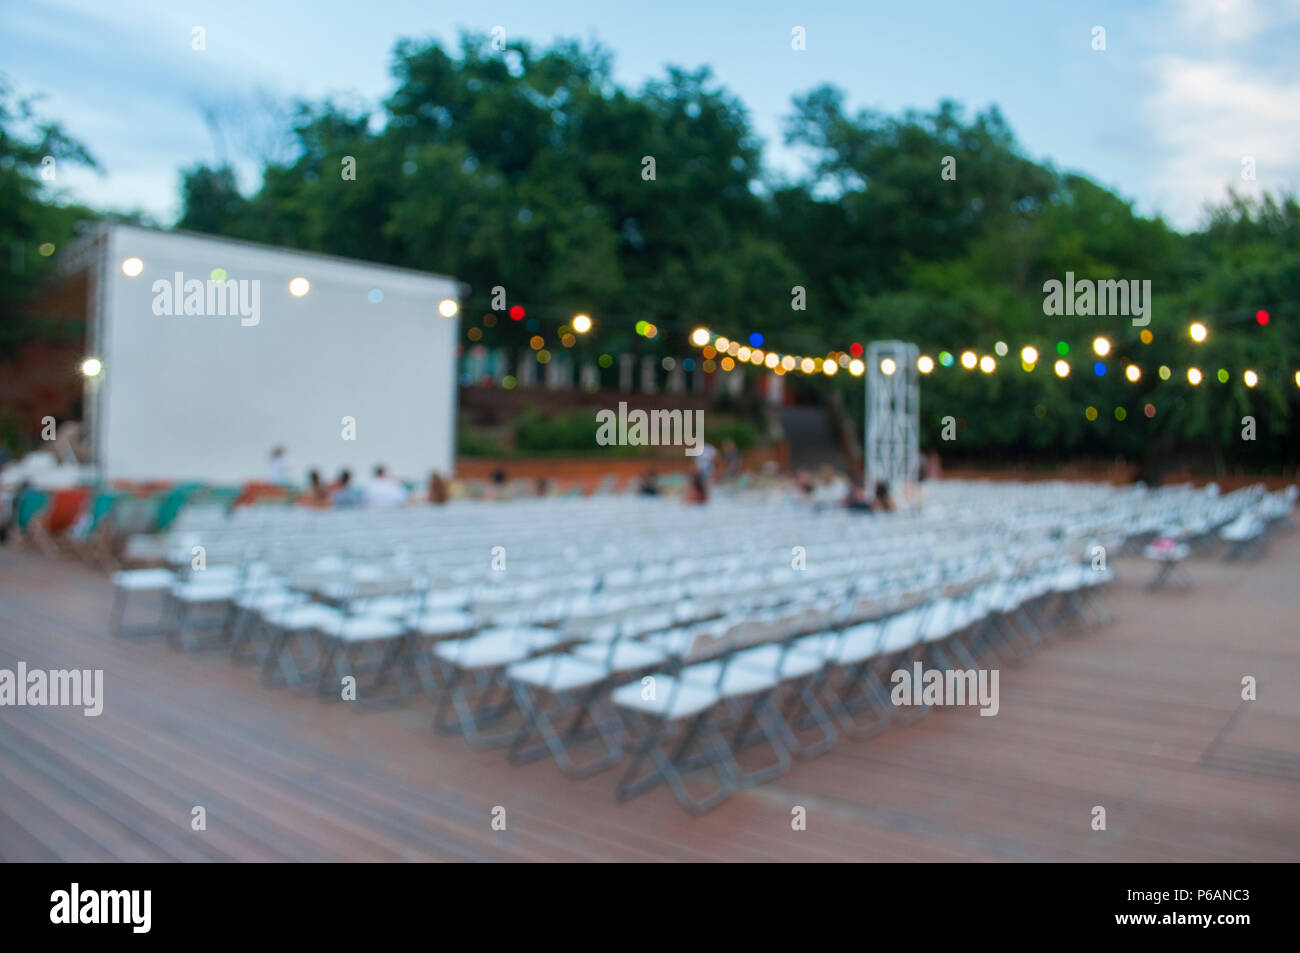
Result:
[{"x": 527, "y": 169}]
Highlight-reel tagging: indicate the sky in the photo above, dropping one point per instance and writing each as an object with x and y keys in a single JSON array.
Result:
[{"x": 1183, "y": 92}]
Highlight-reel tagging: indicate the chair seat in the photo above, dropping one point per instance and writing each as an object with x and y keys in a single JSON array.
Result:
[
  {"x": 495, "y": 648},
  {"x": 441, "y": 623},
  {"x": 272, "y": 599},
  {"x": 857, "y": 644},
  {"x": 394, "y": 606},
  {"x": 557, "y": 673},
  {"x": 362, "y": 628},
  {"x": 217, "y": 590},
  {"x": 669, "y": 699},
  {"x": 736, "y": 680},
  {"x": 621, "y": 656},
  {"x": 144, "y": 579},
  {"x": 299, "y": 618},
  {"x": 901, "y": 632},
  {"x": 779, "y": 663}
]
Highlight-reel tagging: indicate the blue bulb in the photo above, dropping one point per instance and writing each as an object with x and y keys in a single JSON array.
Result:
[
  {"x": 756, "y": 340},
  {"x": 1099, "y": 369},
  {"x": 688, "y": 364}
]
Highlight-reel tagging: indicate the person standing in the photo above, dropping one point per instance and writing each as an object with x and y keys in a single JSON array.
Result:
[{"x": 278, "y": 471}]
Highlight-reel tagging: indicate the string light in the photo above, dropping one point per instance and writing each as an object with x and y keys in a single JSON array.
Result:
[{"x": 834, "y": 360}]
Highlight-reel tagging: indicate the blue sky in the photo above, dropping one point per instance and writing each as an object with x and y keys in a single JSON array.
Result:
[{"x": 1184, "y": 90}]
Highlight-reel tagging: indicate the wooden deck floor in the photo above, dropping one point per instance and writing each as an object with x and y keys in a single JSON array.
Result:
[{"x": 1143, "y": 718}]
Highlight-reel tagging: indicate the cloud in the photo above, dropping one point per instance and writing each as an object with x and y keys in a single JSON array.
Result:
[
  {"x": 1206, "y": 116},
  {"x": 1234, "y": 20}
]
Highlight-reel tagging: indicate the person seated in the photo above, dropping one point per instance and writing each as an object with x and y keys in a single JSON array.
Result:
[
  {"x": 384, "y": 492},
  {"x": 439, "y": 492},
  {"x": 343, "y": 493},
  {"x": 698, "y": 490},
  {"x": 831, "y": 489},
  {"x": 804, "y": 485},
  {"x": 857, "y": 501},
  {"x": 279, "y": 471},
  {"x": 316, "y": 495},
  {"x": 883, "y": 503},
  {"x": 649, "y": 484}
]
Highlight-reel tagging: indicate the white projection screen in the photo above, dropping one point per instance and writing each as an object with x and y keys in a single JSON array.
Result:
[{"x": 206, "y": 397}]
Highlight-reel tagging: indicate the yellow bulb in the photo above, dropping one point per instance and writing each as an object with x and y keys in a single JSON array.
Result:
[
  {"x": 856, "y": 367},
  {"x": 721, "y": 344},
  {"x": 700, "y": 337},
  {"x": 581, "y": 323},
  {"x": 987, "y": 364},
  {"x": 829, "y": 367},
  {"x": 756, "y": 356},
  {"x": 132, "y": 267},
  {"x": 91, "y": 367},
  {"x": 788, "y": 362},
  {"x": 925, "y": 364},
  {"x": 808, "y": 365},
  {"x": 1251, "y": 378},
  {"x": 771, "y": 360},
  {"x": 1193, "y": 376},
  {"x": 1198, "y": 331},
  {"x": 887, "y": 367},
  {"x": 1029, "y": 354},
  {"x": 728, "y": 363},
  {"x": 1101, "y": 347},
  {"x": 968, "y": 359},
  {"x": 1062, "y": 369},
  {"x": 300, "y": 286},
  {"x": 743, "y": 353},
  {"x": 1132, "y": 372}
]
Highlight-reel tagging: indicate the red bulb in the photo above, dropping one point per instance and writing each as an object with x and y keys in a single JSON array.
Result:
[
  {"x": 855, "y": 349},
  {"x": 517, "y": 313},
  {"x": 1262, "y": 317}
]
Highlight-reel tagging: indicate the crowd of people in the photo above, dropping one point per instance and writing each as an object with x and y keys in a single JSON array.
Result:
[{"x": 830, "y": 488}]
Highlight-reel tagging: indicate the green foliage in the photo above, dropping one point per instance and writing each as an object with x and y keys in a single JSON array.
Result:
[
  {"x": 572, "y": 433},
  {"x": 31, "y": 214}
]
